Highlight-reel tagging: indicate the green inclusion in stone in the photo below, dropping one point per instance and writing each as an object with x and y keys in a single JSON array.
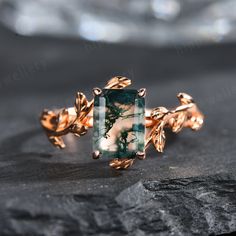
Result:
[{"x": 119, "y": 123}]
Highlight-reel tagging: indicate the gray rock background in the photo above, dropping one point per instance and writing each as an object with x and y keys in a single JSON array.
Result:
[{"x": 188, "y": 190}]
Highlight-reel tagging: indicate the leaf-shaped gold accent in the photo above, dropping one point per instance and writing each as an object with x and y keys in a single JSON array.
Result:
[
  {"x": 196, "y": 122},
  {"x": 66, "y": 117},
  {"x": 184, "y": 98},
  {"x": 48, "y": 120},
  {"x": 118, "y": 82},
  {"x": 78, "y": 130},
  {"x": 119, "y": 164},
  {"x": 158, "y": 112},
  {"x": 178, "y": 123},
  {"x": 159, "y": 139},
  {"x": 58, "y": 122},
  {"x": 81, "y": 103},
  {"x": 57, "y": 141}
]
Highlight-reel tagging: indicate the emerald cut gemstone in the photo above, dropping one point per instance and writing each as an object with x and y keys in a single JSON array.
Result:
[{"x": 119, "y": 123}]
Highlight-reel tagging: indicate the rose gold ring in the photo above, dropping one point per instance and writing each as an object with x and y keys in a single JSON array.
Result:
[{"x": 122, "y": 127}]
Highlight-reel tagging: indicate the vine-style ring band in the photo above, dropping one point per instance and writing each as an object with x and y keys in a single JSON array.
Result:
[{"x": 122, "y": 128}]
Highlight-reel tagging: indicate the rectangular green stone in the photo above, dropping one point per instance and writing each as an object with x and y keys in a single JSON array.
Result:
[{"x": 119, "y": 123}]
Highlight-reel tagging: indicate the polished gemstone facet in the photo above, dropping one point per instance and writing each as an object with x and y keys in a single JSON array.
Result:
[{"x": 119, "y": 127}]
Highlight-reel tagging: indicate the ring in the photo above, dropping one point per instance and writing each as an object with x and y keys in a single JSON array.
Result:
[{"x": 122, "y": 127}]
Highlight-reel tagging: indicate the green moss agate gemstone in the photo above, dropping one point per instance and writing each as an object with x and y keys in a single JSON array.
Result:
[{"x": 119, "y": 123}]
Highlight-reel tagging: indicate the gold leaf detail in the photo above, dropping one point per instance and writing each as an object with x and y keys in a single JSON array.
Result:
[
  {"x": 178, "y": 123},
  {"x": 159, "y": 139},
  {"x": 158, "y": 113},
  {"x": 58, "y": 122},
  {"x": 66, "y": 117},
  {"x": 118, "y": 82},
  {"x": 196, "y": 122},
  {"x": 79, "y": 130},
  {"x": 121, "y": 163},
  {"x": 49, "y": 120},
  {"x": 185, "y": 99},
  {"x": 57, "y": 141},
  {"x": 81, "y": 103}
]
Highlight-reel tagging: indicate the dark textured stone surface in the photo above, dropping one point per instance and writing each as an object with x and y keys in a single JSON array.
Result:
[
  {"x": 191, "y": 206},
  {"x": 46, "y": 191}
]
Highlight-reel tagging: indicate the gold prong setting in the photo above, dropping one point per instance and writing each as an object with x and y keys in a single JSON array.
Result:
[
  {"x": 96, "y": 154},
  {"x": 142, "y": 92},
  {"x": 97, "y": 91},
  {"x": 141, "y": 155}
]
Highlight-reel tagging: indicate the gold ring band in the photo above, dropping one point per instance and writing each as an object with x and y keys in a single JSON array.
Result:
[{"x": 127, "y": 128}]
